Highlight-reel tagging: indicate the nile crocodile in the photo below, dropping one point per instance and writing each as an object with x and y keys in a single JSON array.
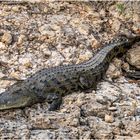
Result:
[{"x": 51, "y": 84}]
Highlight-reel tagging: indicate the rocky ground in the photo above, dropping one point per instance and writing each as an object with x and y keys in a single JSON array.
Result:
[{"x": 38, "y": 35}]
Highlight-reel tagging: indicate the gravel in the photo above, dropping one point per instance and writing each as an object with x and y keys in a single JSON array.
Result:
[{"x": 38, "y": 35}]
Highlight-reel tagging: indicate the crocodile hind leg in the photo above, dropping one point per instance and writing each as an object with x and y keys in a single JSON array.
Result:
[{"x": 54, "y": 100}]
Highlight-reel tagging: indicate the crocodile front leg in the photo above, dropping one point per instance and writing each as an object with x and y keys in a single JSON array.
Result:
[
  {"x": 86, "y": 82},
  {"x": 54, "y": 100}
]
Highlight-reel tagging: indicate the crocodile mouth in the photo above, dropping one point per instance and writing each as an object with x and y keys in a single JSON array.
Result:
[
  {"x": 15, "y": 100},
  {"x": 8, "y": 102}
]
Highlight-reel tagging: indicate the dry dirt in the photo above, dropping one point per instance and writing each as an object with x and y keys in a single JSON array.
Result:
[{"x": 38, "y": 35}]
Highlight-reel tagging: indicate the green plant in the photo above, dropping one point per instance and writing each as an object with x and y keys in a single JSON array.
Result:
[{"x": 120, "y": 7}]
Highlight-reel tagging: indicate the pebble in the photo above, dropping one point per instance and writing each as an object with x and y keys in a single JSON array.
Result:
[
  {"x": 42, "y": 134},
  {"x": 133, "y": 56},
  {"x": 125, "y": 66},
  {"x": 45, "y": 50},
  {"x": 15, "y": 8},
  {"x": 22, "y": 38},
  {"x": 83, "y": 29},
  {"x": 2, "y": 46},
  {"x": 74, "y": 122},
  {"x": 46, "y": 30},
  {"x": 83, "y": 57},
  {"x": 113, "y": 72},
  {"x": 136, "y": 18},
  {"x": 116, "y": 25},
  {"x": 15, "y": 74},
  {"x": 26, "y": 62},
  {"x": 6, "y": 38},
  {"x": 1, "y": 75},
  {"x": 66, "y": 33},
  {"x": 112, "y": 108},
  {"x": 117, "y": 62},
  {"x": 109, "y": 118},
  {"x": 95, "y": 43}
]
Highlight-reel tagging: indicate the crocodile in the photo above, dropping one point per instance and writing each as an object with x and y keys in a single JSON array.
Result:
[
  {"x": 51, "y": 84},
  {"x": 14, "y": 2}
]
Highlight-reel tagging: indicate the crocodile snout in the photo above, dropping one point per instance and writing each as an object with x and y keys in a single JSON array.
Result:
[{"x": 15, "y": 99}]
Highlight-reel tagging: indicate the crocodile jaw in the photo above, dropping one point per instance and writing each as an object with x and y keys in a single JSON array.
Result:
[
  {"x": 15, "y": 100},
  {"x": 14, "y": 104}
]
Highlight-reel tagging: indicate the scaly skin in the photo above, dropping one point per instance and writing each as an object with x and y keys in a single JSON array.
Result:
[
  {"x": 53, "y": 83},
  {"x": 13, "y": 2}
]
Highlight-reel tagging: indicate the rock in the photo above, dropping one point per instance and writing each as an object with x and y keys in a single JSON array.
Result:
[
  {"x": 44, "y": 121},
  {"x": 68, "y": 33},
  {"x": 86, "y": 56},
  {"x": 107, "y": 93},
  {"x": 7, "y": 38},
  {"x": 15, "y": 8},
  {"x": 113, "y": 72},
  {"x": 95, "y": 43},
  {"x": 116, "y": 25},
  {"x": 99, "y": 129},
  {"x": 46, "y": 30},
  {"x": 75, "y": 22},
  {"x": 133, "y": 56},
  {"x": 93, "y": 109},
  {"x": 114, "y": 11},
  {"x": 21, "y": 39},
  {"x": 2, "y": 46},
  {"x": 1, "y": 75},
  {"x": 137, "y": 7},
  {"x": 100, "y": 99},
  {"x": 125, "y": 66},
  {"x": 136, "y": 27},
  {"x": 9, "y": 122},
  {"x": 55, "y": 60},
  {"x": 102, "y": 12},
  {"x": 73, "y": 121},
  {"x": 55, "y": 27},
  {"x": 26, "y": 61},
  {"x": 83, "y": 29},
  {"x": 136, "y": 18},
  {"x": 109, "y": 118},
  {"x": 112, "y": 108},
  {"x": 15, "y": 75},
  {"x": 85, "y": 133},
  {"x": 133, "y": 126},
  {"x": 68, "y": 133},
  {"x": 45, "y": 50},
  {"x": 123, "y": 137},
  {"x": 117, "y": 62},
  {"x": 42, "y": 134}
]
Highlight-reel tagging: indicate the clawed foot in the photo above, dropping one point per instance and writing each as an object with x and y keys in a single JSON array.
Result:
[{"x": 54, "y": 101}]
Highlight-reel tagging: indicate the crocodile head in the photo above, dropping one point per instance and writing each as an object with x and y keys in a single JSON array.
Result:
[
  {"x": 131, "y": 38},
  {"x": 17, "y": 98}
]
